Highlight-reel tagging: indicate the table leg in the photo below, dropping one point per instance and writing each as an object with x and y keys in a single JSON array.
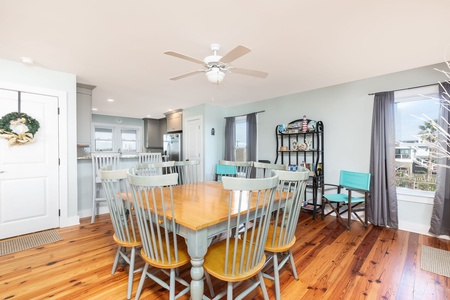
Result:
[{"x": 197, "y": 243}]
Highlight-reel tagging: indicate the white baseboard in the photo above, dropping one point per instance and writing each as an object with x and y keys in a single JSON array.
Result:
[
  {"x": 419, "y": 228},
  {"x": 88, "y": 212},
  {"x": 70, "y": 221}
]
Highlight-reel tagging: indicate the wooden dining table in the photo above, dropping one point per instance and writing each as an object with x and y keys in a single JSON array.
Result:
[{"x": 201, "y": 211}]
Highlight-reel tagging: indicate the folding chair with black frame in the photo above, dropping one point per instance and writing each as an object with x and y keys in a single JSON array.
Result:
[{"x": 353, "y": 182}]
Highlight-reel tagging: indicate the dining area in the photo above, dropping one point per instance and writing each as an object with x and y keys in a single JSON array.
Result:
[
  {"x": 331, "y": 261},
  {"x": 216, "y": 230}
]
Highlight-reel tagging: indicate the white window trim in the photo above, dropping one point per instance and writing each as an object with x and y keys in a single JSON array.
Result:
[
  {"x": 117, "y": 141},
  {"x": 405, "y": 194}
]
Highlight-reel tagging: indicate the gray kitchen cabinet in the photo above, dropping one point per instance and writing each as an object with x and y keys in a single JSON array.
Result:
[
  {"x": 84, "y": 114},
  {"x": 174, "y": 121},
  {"x": 152, "y": 132}
]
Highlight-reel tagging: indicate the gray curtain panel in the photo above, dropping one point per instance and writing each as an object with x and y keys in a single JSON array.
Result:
[
  {"x": 251, "y": 137},
  {"x": 230, "y": 138},
  {"x": 440, "y": 218},
  {"x": 382, "y": 206}
]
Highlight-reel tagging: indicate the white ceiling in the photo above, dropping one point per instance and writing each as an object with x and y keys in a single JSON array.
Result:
[{"x": 118, "y": 45}]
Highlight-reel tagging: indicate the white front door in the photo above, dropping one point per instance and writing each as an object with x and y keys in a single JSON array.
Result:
[
  {"x": 29, "y": 179},
  {"x": 194, "y": 142}
]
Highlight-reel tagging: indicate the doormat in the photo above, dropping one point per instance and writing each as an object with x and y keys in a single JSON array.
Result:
[
  {"x": 435, "y": 260},
  {"x": 28, "y": 241}
]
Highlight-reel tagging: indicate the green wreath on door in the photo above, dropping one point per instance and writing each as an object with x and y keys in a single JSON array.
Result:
[{"x": 18, "y": 128}]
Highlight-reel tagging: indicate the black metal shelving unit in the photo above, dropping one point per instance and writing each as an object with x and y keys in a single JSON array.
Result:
[{"x": 296, "y": 154}]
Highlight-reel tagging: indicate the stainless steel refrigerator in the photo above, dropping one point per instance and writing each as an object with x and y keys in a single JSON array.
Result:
[{"x": 172, "y": 146}]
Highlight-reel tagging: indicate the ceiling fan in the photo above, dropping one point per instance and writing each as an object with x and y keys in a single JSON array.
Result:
[{"x": 215, "y": 66}]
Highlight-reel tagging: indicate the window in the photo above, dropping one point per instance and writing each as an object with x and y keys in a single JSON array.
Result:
[
  {"x": 122, "y": 139},
  {"x": 129, "y": 140},
  {"x": 414, "y": 167},
  {"x": 241, "y": 138},
  {"x": 103, "y": 139}
]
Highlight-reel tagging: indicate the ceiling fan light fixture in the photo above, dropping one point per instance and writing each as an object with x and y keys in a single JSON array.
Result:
[{"x": 215, "y": 75}]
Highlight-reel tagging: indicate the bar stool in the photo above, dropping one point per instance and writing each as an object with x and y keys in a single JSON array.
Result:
[
  {"x": 100, "y": 160},
  {"x": 145, "y": 157}
]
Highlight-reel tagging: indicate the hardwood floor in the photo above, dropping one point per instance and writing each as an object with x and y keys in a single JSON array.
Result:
[{"x": 332, "y": 263}]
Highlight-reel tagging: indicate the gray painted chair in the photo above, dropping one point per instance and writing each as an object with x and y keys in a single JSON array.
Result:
[
  {"x": 264, "y": 170},
  {"x": 126, "y": 233},
  {"x": 146, "y": 157},
  {"x": 187, "y": 171},
  {"x": 241, "y": 256},
  {"x": 156, "y": 168},
  {"x": 162, "y": 248},
  {"x": 281, "y": 233}
]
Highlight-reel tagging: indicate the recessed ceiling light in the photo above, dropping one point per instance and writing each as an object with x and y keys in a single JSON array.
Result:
[
  {"x": 94, "y": 109},
  {"x": 149, "y": 116},
  {"x": 27, "y": 60},
  {"x": 170, "y": 109},
  {"x": 110, "y": 100}
]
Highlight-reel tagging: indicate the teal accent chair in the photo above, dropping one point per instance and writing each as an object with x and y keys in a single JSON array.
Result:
[{"x": 351, "y": 201}]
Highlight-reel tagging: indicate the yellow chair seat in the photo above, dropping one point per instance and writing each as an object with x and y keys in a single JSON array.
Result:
[
  {"x": 183, "y": 256},
  {"x": 215, "y": 257}
]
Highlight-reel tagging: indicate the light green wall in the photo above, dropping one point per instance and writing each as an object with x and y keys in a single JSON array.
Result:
[
  {"x": 117, "y": 120},
  {"x": 346, "y": 112}
]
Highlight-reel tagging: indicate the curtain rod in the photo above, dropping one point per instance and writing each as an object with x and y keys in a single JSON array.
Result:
[
  {"x": 409, "y": 88},
  {"x": 256, "y": 112}
]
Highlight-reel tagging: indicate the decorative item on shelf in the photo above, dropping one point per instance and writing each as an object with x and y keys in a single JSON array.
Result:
[
  {"x": 281, "y": 128},
  {"x": 312, "y": 126},
  {"x": 283, "y": 148},
  {"x": 293, "y": 168},
  {"x": 294, "y": 145},
  {"x": 303, "y": 147},
  {"x": 305, "y": 124},
  {"x": 308, "y": 144},
  {"x": 18, "y": 128},
  {"x": 319, "y": 169}
]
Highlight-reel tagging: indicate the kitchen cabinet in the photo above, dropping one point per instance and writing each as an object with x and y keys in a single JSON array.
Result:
[
  {"x": 84, "y": 114},
  {"x": 174, "y": 121},
  {"x": 152, "y": 131}
]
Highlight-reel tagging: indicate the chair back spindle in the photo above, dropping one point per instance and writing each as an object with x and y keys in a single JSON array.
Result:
[
  {"x": 187, "y": 171},
  {"x": 156, "y": 168},
  {"x": 145, "y": 157}
]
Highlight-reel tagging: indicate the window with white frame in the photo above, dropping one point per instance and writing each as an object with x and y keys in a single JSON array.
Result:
[
  {"x": 129, "y": 139},
  {"x": 415, "y": 168},
  {"x": 124, "y": 139},
  {"x": 103, "y": 139}
]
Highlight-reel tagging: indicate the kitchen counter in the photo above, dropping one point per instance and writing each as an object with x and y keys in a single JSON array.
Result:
[
  {"x": 85, "y": 182},
  {"x": 88, "y": 157}
]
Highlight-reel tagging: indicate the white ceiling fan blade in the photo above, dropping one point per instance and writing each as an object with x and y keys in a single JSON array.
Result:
[
  {"x": 182, "y": 56},
  {"x": 187, "y": 74},
  {"x": 235, "y": 54},
  {"x": 248, "y": 72}
]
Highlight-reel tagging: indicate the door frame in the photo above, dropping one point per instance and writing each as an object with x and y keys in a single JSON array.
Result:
[
  {"x": 202, "y": 149},
  {"x": 63, "y": 141}
]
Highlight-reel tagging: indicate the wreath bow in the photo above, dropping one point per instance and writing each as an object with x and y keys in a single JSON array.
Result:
[{"x": 18, "y": 128}]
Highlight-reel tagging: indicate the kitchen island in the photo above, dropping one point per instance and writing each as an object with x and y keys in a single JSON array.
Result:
[{"x": 85, "y": 178}]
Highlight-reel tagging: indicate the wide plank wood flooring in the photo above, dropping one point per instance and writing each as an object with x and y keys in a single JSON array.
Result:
[{"x": 332, "y": 263}]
